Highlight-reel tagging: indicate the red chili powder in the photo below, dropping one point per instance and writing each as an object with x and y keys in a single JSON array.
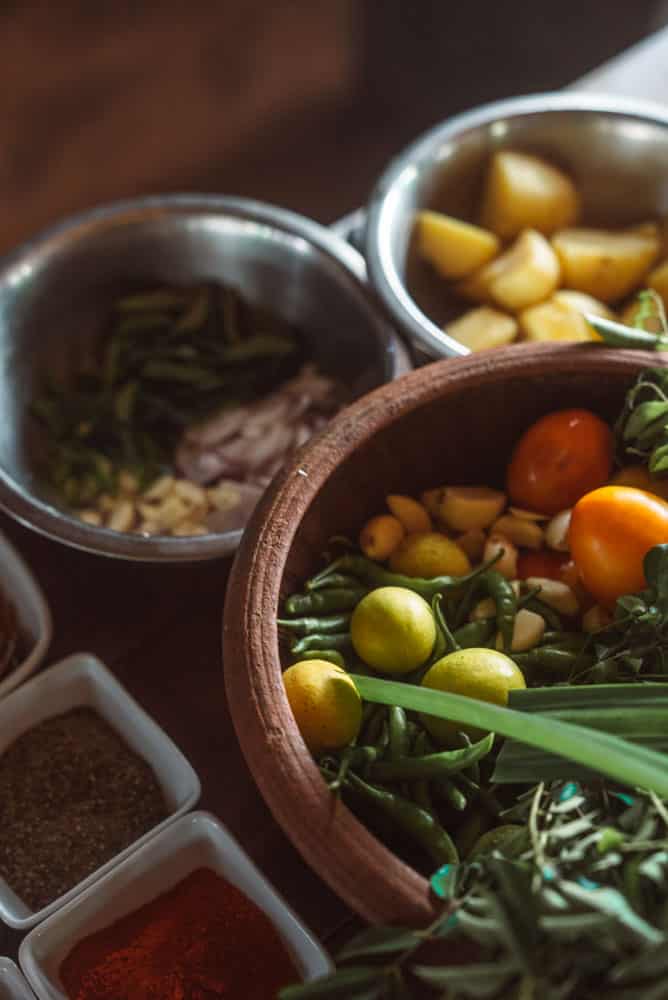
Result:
[{"x": 202, "y": 939}]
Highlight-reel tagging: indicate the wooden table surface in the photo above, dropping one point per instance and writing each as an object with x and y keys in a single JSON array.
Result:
[{"x": 159, "y": 630}]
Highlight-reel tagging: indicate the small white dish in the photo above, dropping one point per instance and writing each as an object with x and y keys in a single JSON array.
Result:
[
  {"x": 20, "y": 586},
  {"x": 82, "y": 680},
  {"x": 194, "y": 841},
  {"x": 12, "y": 984}
]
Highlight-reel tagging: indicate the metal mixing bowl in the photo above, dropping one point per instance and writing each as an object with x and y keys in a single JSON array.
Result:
[
  {"x": 616, "y": 151},
  {"x": 57, "y": 290}
]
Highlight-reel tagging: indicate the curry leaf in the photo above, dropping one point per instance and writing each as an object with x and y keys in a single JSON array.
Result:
[
  {"x": 379, "y": 941},
  {"x": 355, "y": 983}
]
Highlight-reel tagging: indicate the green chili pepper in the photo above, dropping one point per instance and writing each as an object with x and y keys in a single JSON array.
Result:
[
  {"x": 551, "y": 659},
  {"x": 336, "y": 599},
  {"x": 433, "y": 765},
  {"x": 475, "y": 766},
  {"x": 420, "y": 791},
  {"x": 337, "y": 641},
  {"x": 618, "y": 335},
  {"x": 373, "y": 725},
  {"x": 334, "y": 581},
  {"x": 309, "y": 626},
  {"x": 398, "y": 731},
  {"x": 377, "y": 576},
  {"x": 329, "y": 655},
  {"x": 451, "y": 794},
  {"x": 410, "y": 818},
  {"x": 475, "y": 634},
  {"x": 552, "y": 619},
  {"x": 197, "y": 313},
  {"x": 493, "y": 585}
]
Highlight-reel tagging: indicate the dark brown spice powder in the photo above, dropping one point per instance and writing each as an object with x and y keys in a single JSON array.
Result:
[{"x": 72, "y": 795}]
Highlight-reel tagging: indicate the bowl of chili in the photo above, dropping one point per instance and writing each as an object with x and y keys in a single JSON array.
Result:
[
  {"x": 463, "y": 417},
  {"x": 193, "y": 892},
  {"x": 86, "y": 776}
]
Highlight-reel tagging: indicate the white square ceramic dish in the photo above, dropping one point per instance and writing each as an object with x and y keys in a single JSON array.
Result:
[
  {"x": 12, "y": 984},
  {"x": 22, "y": 589},
  {"x": 194, "y": 841},
  {"x": 83, "y": 680}
]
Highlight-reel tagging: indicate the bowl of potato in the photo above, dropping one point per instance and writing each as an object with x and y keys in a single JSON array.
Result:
[{"x": 512, "y": 221}]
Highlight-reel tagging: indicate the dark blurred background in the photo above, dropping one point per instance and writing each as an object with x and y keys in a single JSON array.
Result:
[{"x": 299, "y": 102}]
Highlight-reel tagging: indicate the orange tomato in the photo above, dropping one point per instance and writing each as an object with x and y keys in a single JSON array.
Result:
[
  {"x": 560, "y": 458},
  {"x": 611, "y": 531}
]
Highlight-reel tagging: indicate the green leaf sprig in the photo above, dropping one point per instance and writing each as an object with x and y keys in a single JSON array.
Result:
[{"x": 581, "y": 913}]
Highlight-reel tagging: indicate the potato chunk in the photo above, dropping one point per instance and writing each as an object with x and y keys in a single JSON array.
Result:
[
  {"x": 525, "y": 192},
  {"x": 454, "y": 248},
  {"x": 562, "y": 317},
  {"x": 602, "y": 263},
  {"x": 482, "y": 328},
  {"x": 526, "y": 273}
]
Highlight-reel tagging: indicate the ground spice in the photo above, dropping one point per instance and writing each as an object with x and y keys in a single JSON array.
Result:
[
  {"x": 202, "y": 939},
  {"x": 72, "y": 795}
]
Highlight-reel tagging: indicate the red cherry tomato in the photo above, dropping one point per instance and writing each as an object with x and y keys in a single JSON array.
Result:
[
  {"x": 543, "y": 563},
  {"x": 560, "y": 458},
  {"x": 611, "y": 531}
]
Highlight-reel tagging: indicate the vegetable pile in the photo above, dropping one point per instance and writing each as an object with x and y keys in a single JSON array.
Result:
[
  {"x": 476, "y": 641},
  {"x": 533, "y": 271},
  {"x": 194, "y": 403}
]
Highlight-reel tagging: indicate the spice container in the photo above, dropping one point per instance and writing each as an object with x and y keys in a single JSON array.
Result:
[
  {"x": 12, "y": 984},
  {"x": 81, "y": 681},
  {"x": 193, "y": 842},
  {"x": 19, "y": 586}
]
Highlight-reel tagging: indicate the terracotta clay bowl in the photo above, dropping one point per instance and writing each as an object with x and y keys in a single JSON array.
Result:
[{"x": 452, "y": 421}]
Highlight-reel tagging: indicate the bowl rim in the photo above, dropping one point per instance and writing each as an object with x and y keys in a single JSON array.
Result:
[
  {"x": 361, "y": 870},
  {"x": 56, "y": 524},
  {"x": 383, "y": 276}
]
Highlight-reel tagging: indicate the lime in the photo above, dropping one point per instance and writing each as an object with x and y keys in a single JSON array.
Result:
[
  {"x": 393, "y": 630},
  {"x": 325, "y": 703},
  {"x": 484, "y": 674},
  {"x": 429, "y": 554}
]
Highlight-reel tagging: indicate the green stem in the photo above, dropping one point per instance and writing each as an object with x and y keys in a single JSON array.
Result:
[{"x": 617, "y": 758}]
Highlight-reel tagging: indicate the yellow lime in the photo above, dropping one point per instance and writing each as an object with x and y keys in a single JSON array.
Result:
[
  {"x": 484, "y": 674},
  {"x": 393, "y": 630},
  {"x": 325, "y": 703},
  {"x": 429, "y": 554}
]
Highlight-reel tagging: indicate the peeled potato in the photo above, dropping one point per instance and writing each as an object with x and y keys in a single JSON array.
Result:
[
  {"x": 464, "y": 508},
  {"x": 482, "y": 328},
  {"x": 602, "y": 263},
  {"x": 454, "y": 248},
  {"x": 562, "y": 317},
  {"x": 525, "y": 192},
  {"x": 658, "y": 280},
  {"x": 526, "y": 273}
]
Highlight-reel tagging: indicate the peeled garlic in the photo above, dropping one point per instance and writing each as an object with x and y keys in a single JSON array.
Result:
[
  {"x": 528, "y": 630},
  {"x": 556, "y": 531},
  {"x": 556, "y": 594},
  {"x": 507, "y": 564}
]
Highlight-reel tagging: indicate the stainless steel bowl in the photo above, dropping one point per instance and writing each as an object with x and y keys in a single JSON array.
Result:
[
  {"x": 55, "y": 294},
  {"x": 616, "y": 151}
]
